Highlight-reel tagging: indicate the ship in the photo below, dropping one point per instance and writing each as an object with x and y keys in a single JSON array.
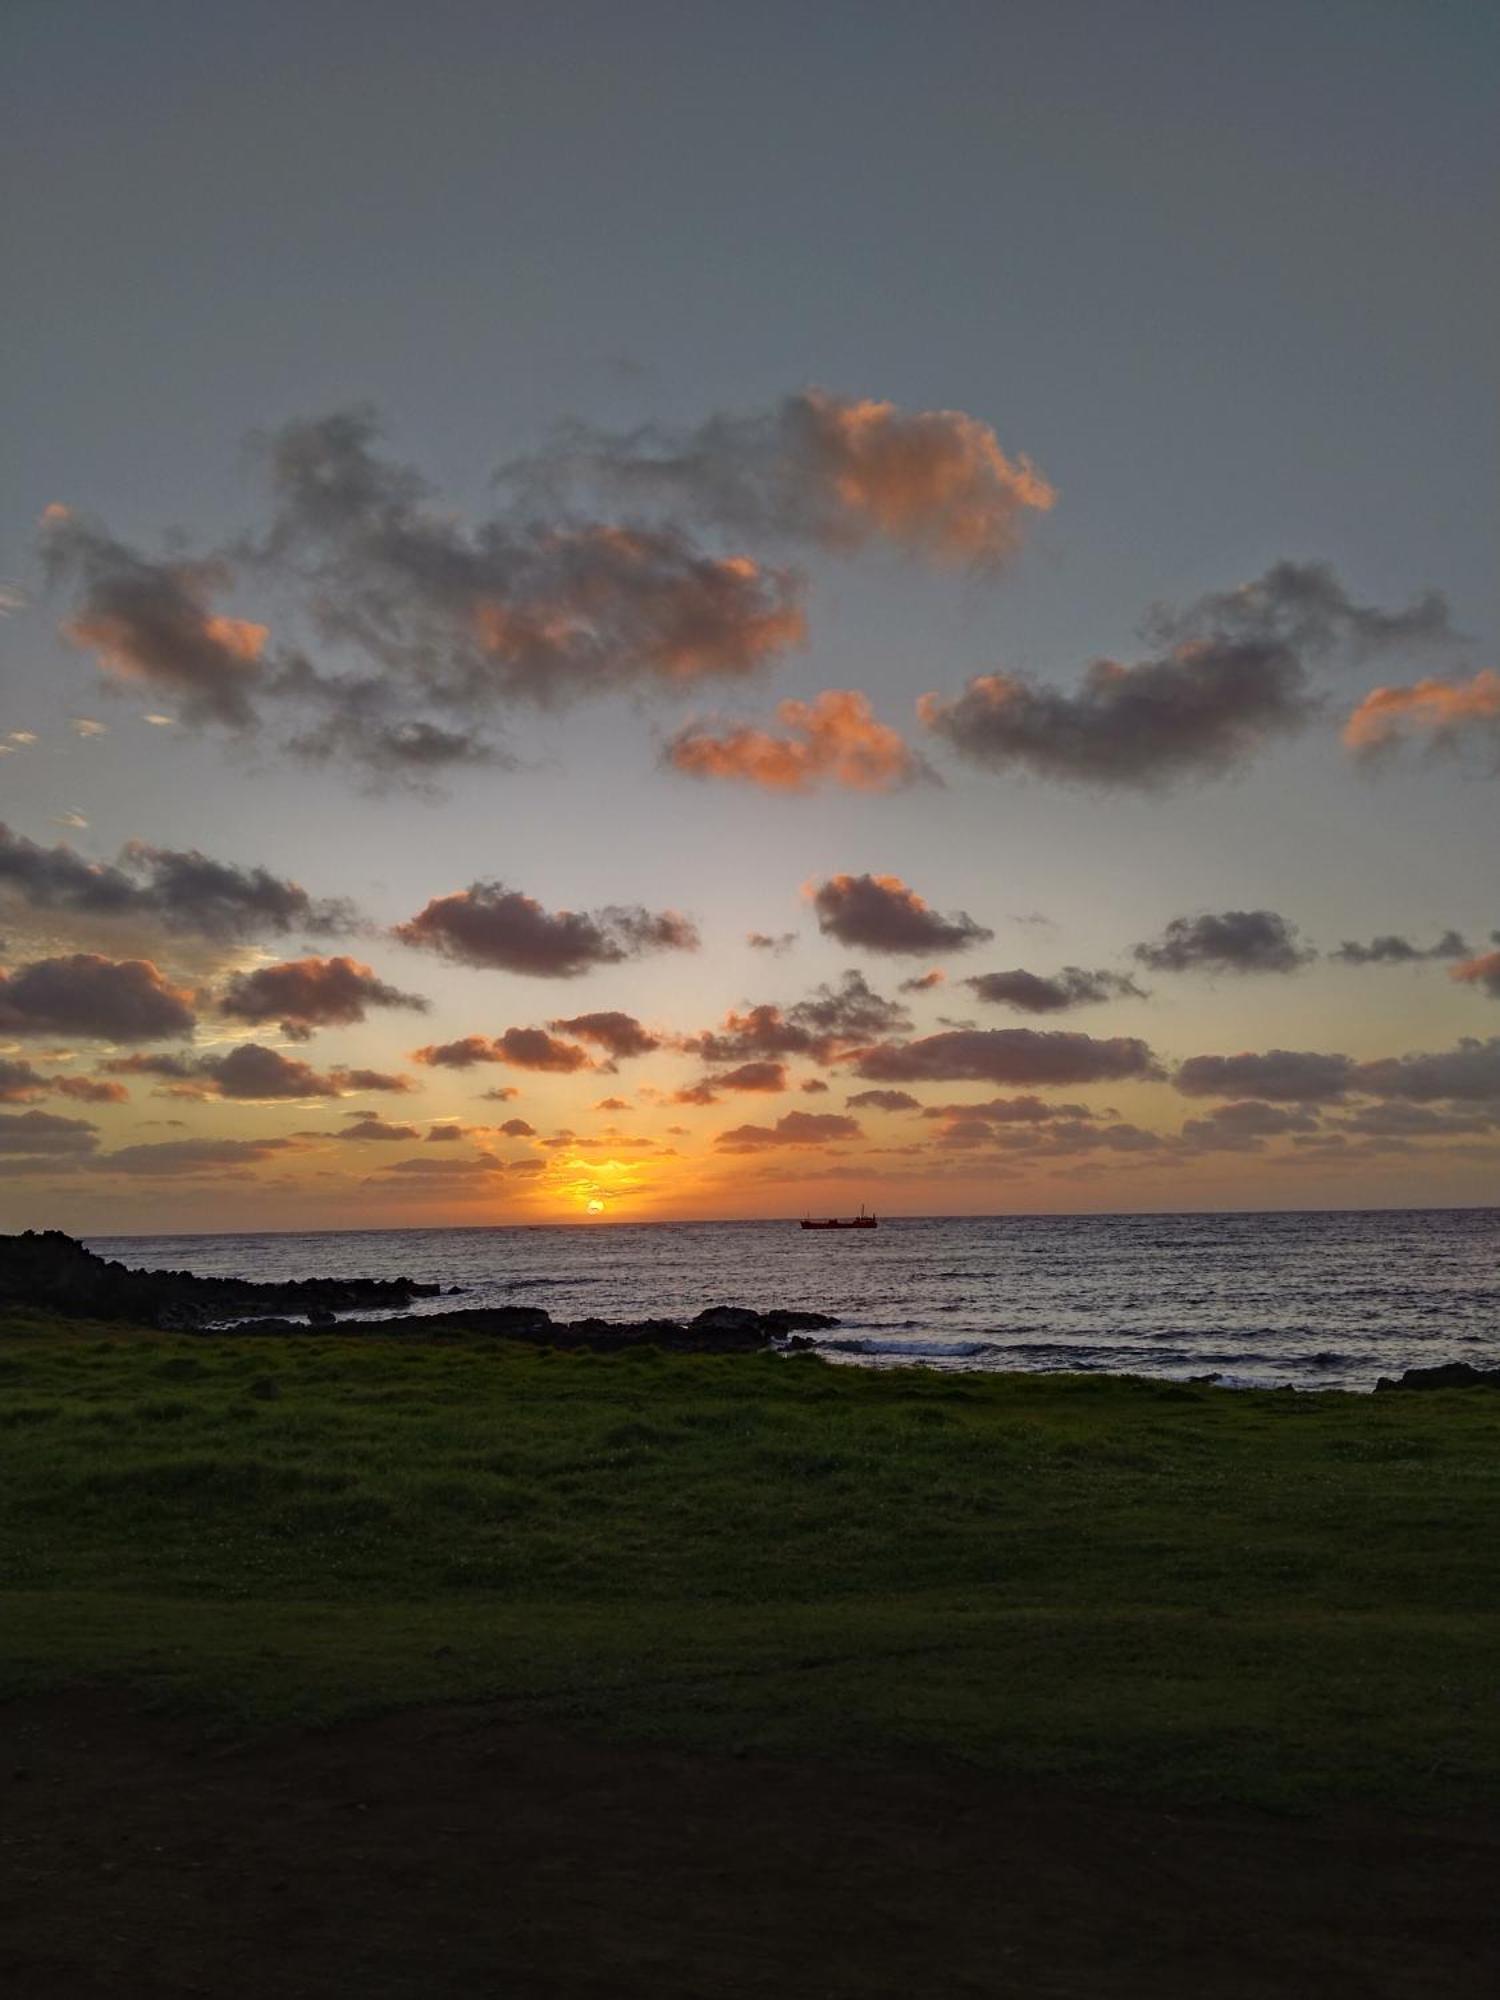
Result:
[{"x": 860, "y": 1221}]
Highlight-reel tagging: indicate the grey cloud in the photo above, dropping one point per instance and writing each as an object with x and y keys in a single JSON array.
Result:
[
  {"x": 795, "y": 1128},
  {"x": 1285, "y": 1076},
  {"x": 883, "y": 1100},
  {"x": 43, "y": 1134},
  {"x": 1417, "y": 1121},
  {"x": 465, "y": 1053},
  {"x": 111, "y": 1000},
  {"x": 1393, "y": 950},
  {"x": 1468, "y": 1073},
  {"x": 829, "y": 1020},
  {"x": 817, "y": 468},
  {"x": 619, "y": 1035},
  {"x": 378, "y": 1129},
  {"x": 252, "y": 1071},
  {"x": 20, "y": 1083},
  {"x": 491, "y": 926},
  {"x": 182, "y": 890},
  {"x": 1012, "y": 1111},
  {"x": 1032, "y": 993},
  {"x": 880, "y": 913},
  {"x": 1229, "y": 941},
  {"x": 153, "y": 622},
  {"x": 1230, "y": 672},
  {"x": 1008, "y": 1056},
  {"x": 517, "y": 609},
  {"x": 1244, "y": 1126},
  {"x": 304, "y": 994},
  {"x": 171, "y": 1157}
]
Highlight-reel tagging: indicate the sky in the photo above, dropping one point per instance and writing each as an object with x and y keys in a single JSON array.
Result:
[{"x": 628, "y": 613}]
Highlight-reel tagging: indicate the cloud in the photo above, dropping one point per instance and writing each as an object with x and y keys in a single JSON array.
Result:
[
  {"x": 171, "y": 1157},
  {"x": 778, "y": 945},
  {"x": 252, "y": 1071},
  {"x": 1032, "y": 993},
  {"x": 182, "y": 890},
  {"x": 153, "y": 624},
  {"x": 532, "y": 1048},
  {"x": 1448, "y": 714},
  {"x": 517, "y": 1128},
  {"x": 374, "y": 1079},
  {"x": 110, "y": 1000},
  {"x": 883, "y": 1100},
  {"x": 1286, "y": 1076},
  {"x": 752, "y": 1076},
  {"x": 811, "y": 1086},
  {"x": 1231, "y": 941},
  {"x": 795, "y": 1128},
  {"x": 924, "y": 982},
  {"x": 1468, "y": 1073},
  {"x": 1483, "y": 972},
  {"x": 619, "y": 1035},
  {"x": 491, "y": 926},
  {"x": 20, "y": 1083},
  {"x": 1008, "y": 1056},
  {"x": 436, "y": 1170},
  {"x": 462, "y": 1054},
  {"x": 833, "y": 739},
  {"x": 519, "y": 608},
  {"x": 1392, "y": 950},
  {"x": 829, "y": 470},
  {"x": 44, "y": 1135},
  {"x": 1417, "y": 1121},
  {"x": 1244, "y": 1126},
  {"x": 378, "y": 1128},
  {"x": 880, "y": 913},
  {"x": 829, "y": 1020},
  {"x": 304, "y": 994},
  {"x": 91, "y": 1090},
  {"x": 1230, "y": 672},
  {"x": 1010, "y": 1111},
  {"x": 524, "y": 1048}
]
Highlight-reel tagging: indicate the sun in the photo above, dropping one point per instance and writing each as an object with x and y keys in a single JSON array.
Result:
[{"x": 595, "y": 1208}]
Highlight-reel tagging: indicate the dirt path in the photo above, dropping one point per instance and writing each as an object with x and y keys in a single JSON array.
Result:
[{"x": 452, "y": 1852}]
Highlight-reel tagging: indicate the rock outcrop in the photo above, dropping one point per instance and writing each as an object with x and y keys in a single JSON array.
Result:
[
  {"x": 50, "y": 1271},
  {"x": 719, "y": 1330},
  {"x": 1450, "y": 1375}
]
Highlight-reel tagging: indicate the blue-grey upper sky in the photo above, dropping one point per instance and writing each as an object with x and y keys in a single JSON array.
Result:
[{"x": 1223, "y": 274}]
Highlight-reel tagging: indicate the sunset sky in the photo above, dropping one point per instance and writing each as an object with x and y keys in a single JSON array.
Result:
[{"x": 671, "y": 611}]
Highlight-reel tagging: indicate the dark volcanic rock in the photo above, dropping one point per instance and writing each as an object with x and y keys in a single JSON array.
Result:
[
  {"x": 47, "y": 1269},
  {"x": 726, "y": 1319},
  {"x": 785, "y": 1321},
  {"x": 1450, "y": 1375}
]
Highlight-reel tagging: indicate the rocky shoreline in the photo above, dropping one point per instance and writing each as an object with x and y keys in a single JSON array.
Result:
[{"x": 48, "y": 1271}]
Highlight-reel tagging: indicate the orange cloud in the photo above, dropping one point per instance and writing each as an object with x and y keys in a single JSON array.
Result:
[
  {"x": 1483, "y": 972},
  {"x": 1439, "y": 709},
  {"x": 935, "y": 482},
  {"x": 833, "y": 737}
]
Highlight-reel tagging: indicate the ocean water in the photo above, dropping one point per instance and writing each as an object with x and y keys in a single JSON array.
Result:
[{"x": 1318, "y": 1301}]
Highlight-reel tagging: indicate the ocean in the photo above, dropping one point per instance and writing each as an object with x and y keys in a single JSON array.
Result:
[{"x": 1327, "y": 1301}]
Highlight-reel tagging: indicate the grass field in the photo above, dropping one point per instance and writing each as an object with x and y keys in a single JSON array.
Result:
[{"x": 1273, "y": 1598}]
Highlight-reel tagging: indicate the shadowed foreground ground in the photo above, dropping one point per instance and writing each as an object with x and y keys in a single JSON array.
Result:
[
  {"x": 435, "y": 1666},
  {"x": 456, "y": 1852}
]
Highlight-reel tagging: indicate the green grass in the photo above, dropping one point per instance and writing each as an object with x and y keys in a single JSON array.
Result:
[{"x": 1276, "y": 1598}]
